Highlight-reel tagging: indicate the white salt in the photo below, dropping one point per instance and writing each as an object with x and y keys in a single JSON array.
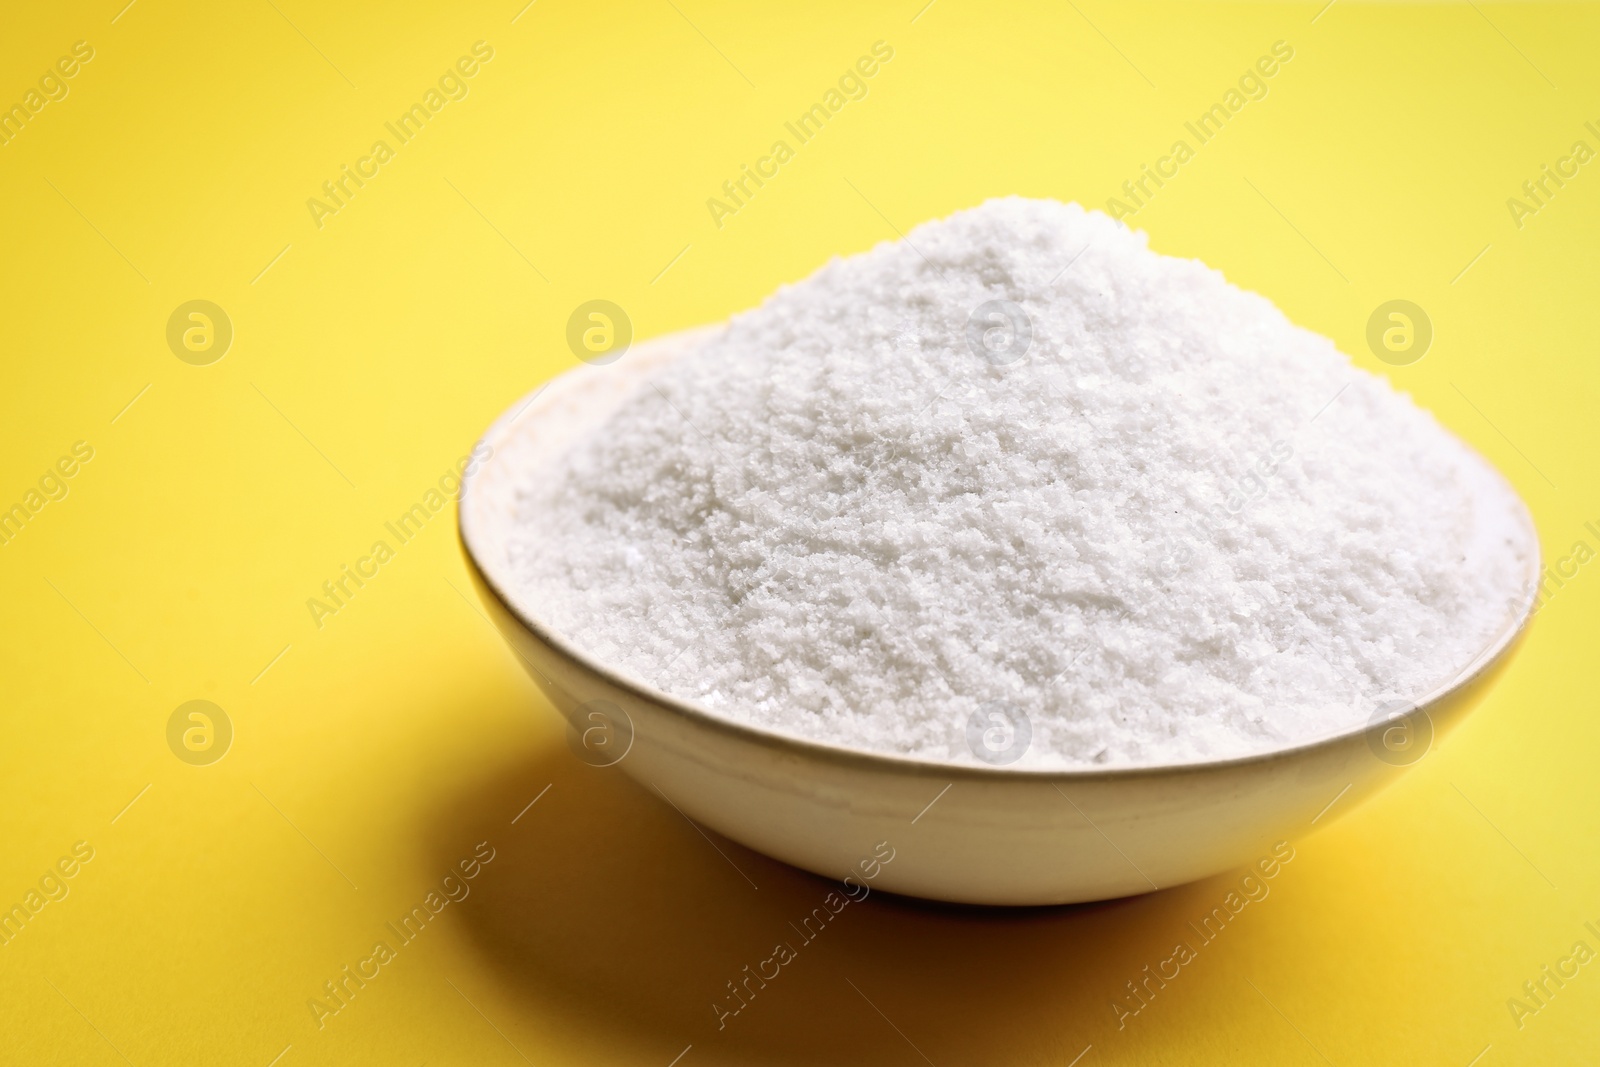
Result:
[{"x": 1145, "y": 513}]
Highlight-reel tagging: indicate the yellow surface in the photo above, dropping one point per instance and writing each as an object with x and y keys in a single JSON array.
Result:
[{"x": 373, "y": 753}]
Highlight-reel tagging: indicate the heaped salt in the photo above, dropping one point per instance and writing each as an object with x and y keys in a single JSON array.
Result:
[{"x": 1018, "y": 476}]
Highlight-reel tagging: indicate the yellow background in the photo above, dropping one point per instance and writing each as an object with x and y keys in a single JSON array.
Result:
[{"x": 382, "y": 747}]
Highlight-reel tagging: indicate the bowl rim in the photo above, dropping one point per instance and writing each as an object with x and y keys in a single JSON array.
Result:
[{"x": 703, "y": 716}]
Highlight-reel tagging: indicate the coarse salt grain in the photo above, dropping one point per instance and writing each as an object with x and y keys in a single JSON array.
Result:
[{"x": 1019, "y": 473}]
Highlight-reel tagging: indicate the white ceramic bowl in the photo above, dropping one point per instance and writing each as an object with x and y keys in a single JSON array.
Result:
[{"x": 966, "y": 833}]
